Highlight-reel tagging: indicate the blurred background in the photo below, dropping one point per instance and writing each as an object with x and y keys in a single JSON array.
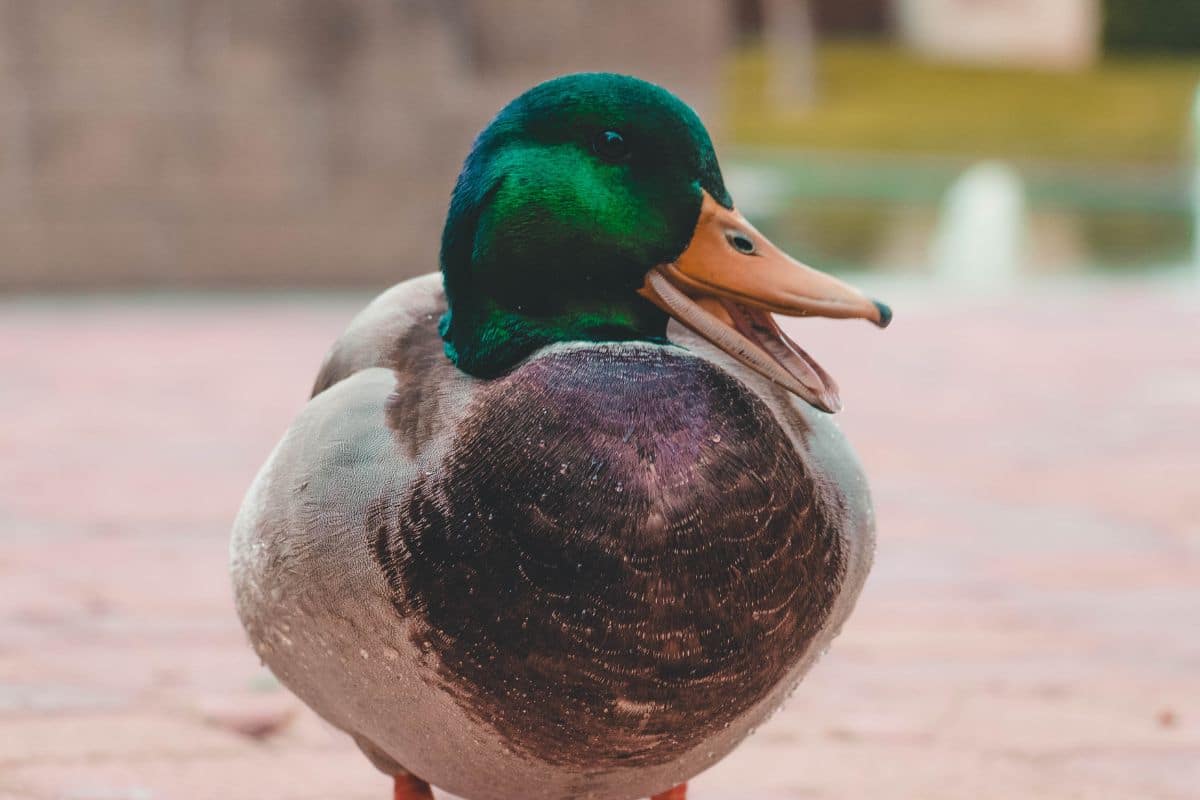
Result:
[
  {"x": 184, "y": 143},
  {"x": 197, "y": 195}
]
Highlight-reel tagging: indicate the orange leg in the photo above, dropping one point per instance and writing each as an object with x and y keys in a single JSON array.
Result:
[
  {"x": 678, "y": 793},
  {"x": 410, "y": 787}
]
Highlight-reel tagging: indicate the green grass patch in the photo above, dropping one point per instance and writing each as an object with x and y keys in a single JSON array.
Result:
[{"x": 876, "y": 97}]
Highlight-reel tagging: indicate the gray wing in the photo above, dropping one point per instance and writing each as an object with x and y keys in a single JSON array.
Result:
[
  {"x": 307, "y": 590},
  {"x": 404, "y": 317},
  {"x": 313, "y": 600},
  {"x": 303, "y": 579}
]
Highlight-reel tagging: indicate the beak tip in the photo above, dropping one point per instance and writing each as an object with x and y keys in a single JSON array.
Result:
[{"x": 885, "y": 313}]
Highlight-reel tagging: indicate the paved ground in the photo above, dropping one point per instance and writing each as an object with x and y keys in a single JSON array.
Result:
[{"x": 1032, "y": 628}]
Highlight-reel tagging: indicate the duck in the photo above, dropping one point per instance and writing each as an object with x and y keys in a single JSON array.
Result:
[{"x": 569, "y": 517}]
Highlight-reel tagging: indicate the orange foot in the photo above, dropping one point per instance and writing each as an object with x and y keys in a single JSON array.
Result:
[
  {"x": 410, "y": 787},
  {"x": 678, "y": 793}
]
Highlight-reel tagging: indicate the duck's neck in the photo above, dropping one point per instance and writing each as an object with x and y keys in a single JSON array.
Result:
[
  {"x": 486, "y": 338},
  {"x": 509, "y": 294}
]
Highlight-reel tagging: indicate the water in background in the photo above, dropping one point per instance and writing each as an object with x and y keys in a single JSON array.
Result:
[{"x": 882, "y": 213}]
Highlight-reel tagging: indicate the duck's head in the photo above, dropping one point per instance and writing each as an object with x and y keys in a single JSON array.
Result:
[{"x": 592, "y": 208}]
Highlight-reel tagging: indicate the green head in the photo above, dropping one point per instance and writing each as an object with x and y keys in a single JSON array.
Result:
[{"x": 568, "y": 198}]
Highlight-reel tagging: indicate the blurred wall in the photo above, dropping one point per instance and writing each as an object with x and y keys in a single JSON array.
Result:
[{"x": 281, "y": 142}]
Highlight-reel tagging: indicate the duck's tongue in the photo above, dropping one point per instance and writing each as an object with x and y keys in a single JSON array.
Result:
[
  {"x": 730, "y": 279},
  {"x": 761, "y": 328},
  {"x": 751, "y": 336}
]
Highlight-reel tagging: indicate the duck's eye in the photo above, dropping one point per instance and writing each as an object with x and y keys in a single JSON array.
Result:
[
  {"x": 610, "y": 146},
  {"x": 740, "y": 242}
]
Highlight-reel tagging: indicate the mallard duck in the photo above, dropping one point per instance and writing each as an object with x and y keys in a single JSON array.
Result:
[{"x": 527, "y": 540}]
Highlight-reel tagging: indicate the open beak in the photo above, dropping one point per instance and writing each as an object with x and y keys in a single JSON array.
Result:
[{"x": 729, "y": 281}]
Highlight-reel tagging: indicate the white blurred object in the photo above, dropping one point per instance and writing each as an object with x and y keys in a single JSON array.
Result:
[
  {"x": 791, "y": 46},
  {"x": 980, "y": 239},
  {"x": 1057, "y": 34}
]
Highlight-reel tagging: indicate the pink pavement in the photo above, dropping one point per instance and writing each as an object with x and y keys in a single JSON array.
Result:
[{"x": 1030, "y": 629}]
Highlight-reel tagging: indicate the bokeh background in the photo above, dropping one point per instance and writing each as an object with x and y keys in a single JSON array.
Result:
[{"x": 197, "y": 195}]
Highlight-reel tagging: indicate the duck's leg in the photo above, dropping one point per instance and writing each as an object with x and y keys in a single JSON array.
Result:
[
  {"x": 678, "y": 793},
  {"x": 410, "y": 787}
]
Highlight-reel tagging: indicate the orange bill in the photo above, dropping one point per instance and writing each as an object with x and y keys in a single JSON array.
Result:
[{"x": 729, "y": 281}]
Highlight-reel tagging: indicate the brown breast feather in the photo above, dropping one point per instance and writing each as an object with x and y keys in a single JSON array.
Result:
[{"x": 620, "y": 555}]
